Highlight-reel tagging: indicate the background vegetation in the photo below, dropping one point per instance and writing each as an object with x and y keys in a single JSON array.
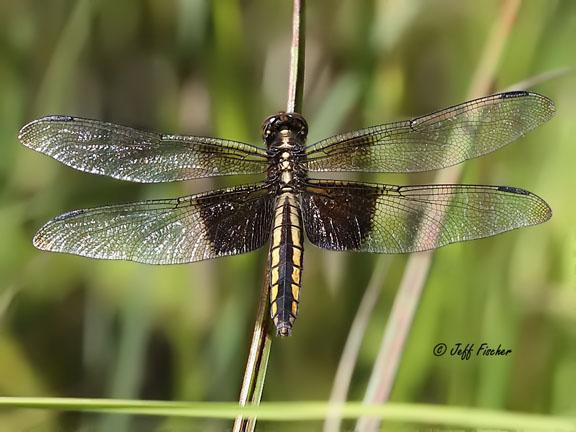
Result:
[{"x": 75, "y": 327}]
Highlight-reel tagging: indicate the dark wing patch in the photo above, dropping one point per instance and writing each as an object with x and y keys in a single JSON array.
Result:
[
  {"x": 438, "y": 140},
  {"x": 398, "y": 219},
  {"x": 129, "y": 154},
  {"x": 168, "y": 231}
]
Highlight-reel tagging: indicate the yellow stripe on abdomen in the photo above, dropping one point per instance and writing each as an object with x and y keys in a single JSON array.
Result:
[{"x": 286, "y": 262}]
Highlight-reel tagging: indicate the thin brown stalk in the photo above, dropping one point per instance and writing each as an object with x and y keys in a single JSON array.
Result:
[
  {"x": 418, "y": 266},
  {"x": 253, "y": 383},
  {"x": 255, "y": 373},
  {"x": 297, "y": 48}
]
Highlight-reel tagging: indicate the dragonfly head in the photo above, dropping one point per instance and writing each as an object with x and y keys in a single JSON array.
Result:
[{"x": 284, "y": 121}]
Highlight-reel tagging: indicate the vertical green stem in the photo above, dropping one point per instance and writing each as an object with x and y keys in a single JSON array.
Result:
[{"x": 255, "y": 373}]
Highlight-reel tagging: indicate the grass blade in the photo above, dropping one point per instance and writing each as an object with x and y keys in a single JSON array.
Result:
[{"x": 447, "y": 416}]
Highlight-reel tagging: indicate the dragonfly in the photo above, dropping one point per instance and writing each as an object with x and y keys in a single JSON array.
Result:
[{"x": 335, "y": 215}]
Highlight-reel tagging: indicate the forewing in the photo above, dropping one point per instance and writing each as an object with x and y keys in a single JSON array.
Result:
[
  {"x": 398, "y": 219},
  {"x": 129, "y": 154},
  {"x": 438, "y": 140},
  {"x": 169, "y": 231}
]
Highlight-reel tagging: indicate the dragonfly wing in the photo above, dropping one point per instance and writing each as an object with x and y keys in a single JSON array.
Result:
[
  {"x": 434, "y": 141},
  {"x": 129, "y": 154},
  {"x": 397, "y": 219},
  {"x": 167, "y": 231}
]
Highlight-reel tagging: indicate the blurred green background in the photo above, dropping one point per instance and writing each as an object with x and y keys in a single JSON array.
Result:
[{"x": 75, "y": 327}]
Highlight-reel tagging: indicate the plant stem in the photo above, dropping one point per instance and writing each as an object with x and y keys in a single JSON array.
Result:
[
  {"x": 257, "y": 363},
  {"x": 297, "y": 48},
  {"x": 255, "y": 373}
]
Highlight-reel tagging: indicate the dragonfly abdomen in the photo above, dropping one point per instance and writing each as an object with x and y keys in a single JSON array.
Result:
[{"x": 286, "y": 254}]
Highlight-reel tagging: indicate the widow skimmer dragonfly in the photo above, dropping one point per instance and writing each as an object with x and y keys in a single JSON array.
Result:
[{"x": 336, "y": 215}]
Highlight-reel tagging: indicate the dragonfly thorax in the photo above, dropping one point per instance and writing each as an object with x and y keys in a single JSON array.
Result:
[
  {"x": 284, "y": 135},
  {"x": 286, "y": 168},
  {"x": 286, "y": 157}
]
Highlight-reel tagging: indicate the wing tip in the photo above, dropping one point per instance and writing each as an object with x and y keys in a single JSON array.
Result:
[
  {"x": 39, "y": 241},
  {"x": 546, "y": 209},
  {"x": 542, "y": 209},
  {"x": 28, "y": 128},
  {"x": 548, "y": 103}
]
